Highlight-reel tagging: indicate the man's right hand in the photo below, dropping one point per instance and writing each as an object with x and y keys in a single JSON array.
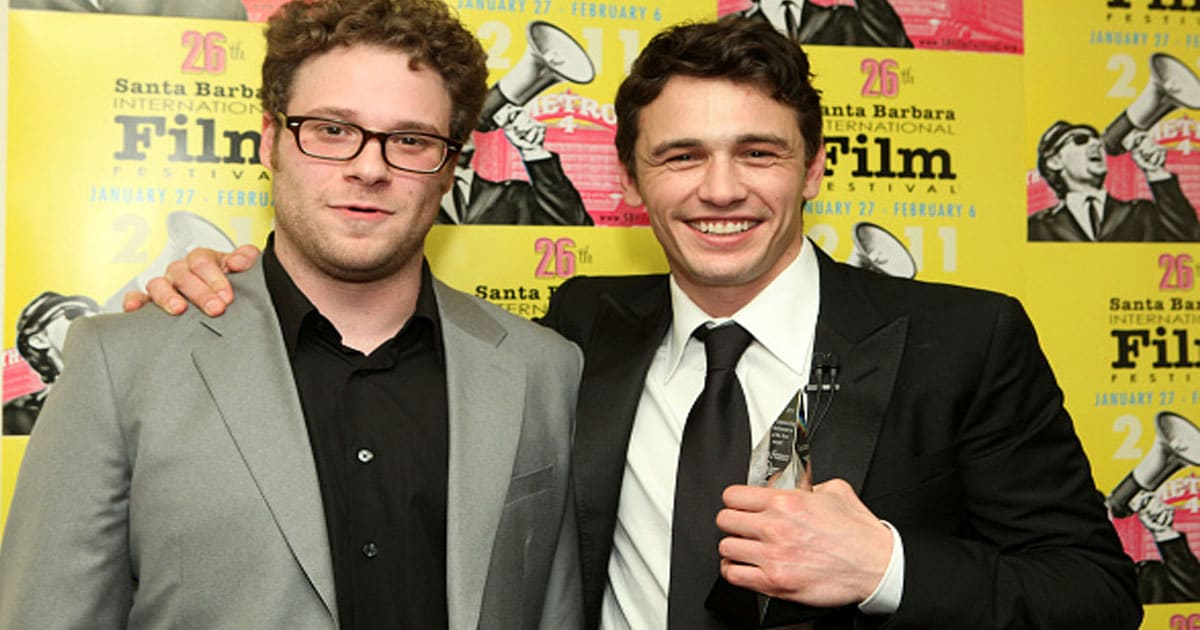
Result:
[{"x": 200, "y": 277}]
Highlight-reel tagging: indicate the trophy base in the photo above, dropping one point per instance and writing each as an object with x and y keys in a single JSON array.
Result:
[{"x": 742, "y": 608}]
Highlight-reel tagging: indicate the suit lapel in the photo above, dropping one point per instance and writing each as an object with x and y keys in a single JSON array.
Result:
[
  {"x": 242, "y": 360},
  {"x": 868, "y": 347},
  {"x": 629, "y": 331},
  {"x": 485, "y": 395},
  {"x": 1116, "y": 213},
  {"x": 1065, "y": 227}
]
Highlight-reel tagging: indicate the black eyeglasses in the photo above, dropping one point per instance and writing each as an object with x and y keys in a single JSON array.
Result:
[{"x": 328, "y": 139}]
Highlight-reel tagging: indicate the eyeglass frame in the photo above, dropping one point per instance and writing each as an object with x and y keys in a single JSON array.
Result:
[
  {"x": 1073, "y": 137},
  {"x": 453, "y": 147}
]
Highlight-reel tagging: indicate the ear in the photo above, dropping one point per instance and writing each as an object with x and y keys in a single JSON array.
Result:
[
  {"x": 629, "y": 189},
  {"x": 814, "y": 174},
  {"x": 266, "y": 144},
  {"x": 1054, "y": 163}
]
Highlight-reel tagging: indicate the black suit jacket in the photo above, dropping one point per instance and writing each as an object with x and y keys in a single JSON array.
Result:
[
  {"x": 872, "y": 23},
  {"x": 1170, "y": 217},
  {"x": 949, "y": 424},
  {"x": 548, "y": 198}
]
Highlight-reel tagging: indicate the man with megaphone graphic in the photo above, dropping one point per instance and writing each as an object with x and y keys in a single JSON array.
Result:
[
  {"x": 549, "y": 197},
  {"x": 1176, "y": 577},
  {"x": 1071, "y": 158}
]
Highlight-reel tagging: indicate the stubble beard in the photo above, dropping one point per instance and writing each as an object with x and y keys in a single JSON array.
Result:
[{"x": 338, "y": 259}]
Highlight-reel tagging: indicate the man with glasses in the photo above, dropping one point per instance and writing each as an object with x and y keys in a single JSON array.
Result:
[
  {"x": 1072, "y": 161},
  {"x": 354, "y": 444}
]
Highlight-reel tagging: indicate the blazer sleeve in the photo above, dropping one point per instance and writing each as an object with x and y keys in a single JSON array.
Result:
[
  {"x": 1175, "y": 217},
  {"x": 65, "y": 560},
  {"x": 563, "y": 606},
  {"x": 1035, "y": 548},
  {"x": 563, "y": 603}
]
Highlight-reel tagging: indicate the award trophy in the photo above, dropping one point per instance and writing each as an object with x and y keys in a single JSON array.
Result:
[{"x": 780, "y": 461}]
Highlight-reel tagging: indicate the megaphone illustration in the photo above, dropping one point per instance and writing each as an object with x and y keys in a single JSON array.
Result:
[
  {"x": 1176, "y": 445},
  {"x": 552, "y": 56},
  {"x": 185, "y": 232},
  {"x": 1172, "y": 85},
  {"x": 878, "y": 250}
]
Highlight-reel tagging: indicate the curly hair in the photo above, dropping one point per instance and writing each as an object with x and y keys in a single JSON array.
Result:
[
  {"x": 732, "y": 48},
  {"x": 424, "y": 29}
]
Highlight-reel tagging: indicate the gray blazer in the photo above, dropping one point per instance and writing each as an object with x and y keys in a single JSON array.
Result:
[{"x": 169, "y": 481}]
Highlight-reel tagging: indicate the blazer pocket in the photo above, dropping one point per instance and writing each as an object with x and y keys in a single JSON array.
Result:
[{"x": 529, "y": 483}]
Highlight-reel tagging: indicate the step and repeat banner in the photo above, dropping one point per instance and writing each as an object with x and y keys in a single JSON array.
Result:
[{"x": 133, "y": 130}]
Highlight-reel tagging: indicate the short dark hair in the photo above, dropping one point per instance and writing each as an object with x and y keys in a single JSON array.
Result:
[
  {"x": 733, "y": 48},
  {"x": 424, "y": 29}
]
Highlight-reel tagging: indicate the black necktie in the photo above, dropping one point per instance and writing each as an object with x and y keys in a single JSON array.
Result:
[
  {"x": 715, "y": 453},
  {"x": 1093, "y": 206},
  {"x": 789, "y": 19},
  {"x": 460, "y": 198}
]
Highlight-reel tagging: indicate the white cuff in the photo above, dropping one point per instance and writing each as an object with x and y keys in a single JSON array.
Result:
[{"x": 885, "y": 600}]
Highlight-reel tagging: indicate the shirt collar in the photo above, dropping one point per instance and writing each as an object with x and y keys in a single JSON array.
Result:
[
  {"x": 773, "y": 9},
  {"x": 292, "y": 307},
  {"x": 781, "y": 323},
  {"x": 1077, "y": 201}
]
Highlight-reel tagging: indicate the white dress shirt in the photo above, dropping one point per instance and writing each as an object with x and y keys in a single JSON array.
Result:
[
  {"x": 773, "y": 367},
  {"x": 774, "y": 11}
]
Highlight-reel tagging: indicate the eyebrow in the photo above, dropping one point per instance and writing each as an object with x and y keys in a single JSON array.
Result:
[
  {"x": 691, "y": 143},
  {"x": 348, "y": 115}
]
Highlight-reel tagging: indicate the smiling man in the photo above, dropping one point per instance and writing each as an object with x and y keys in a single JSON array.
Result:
[
  {"x": 1071, "y": 159},
  {"x": 947, "y": 486},
  {"x": 354, "y": 444}
]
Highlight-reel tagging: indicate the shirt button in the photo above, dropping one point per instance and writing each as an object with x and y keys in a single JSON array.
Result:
[
  {"x": 370, "y": 550},
  {"x": 365, "y": 455}
]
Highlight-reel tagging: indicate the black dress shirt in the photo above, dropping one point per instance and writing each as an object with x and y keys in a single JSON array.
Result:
[{"x": 378, "y": 425}]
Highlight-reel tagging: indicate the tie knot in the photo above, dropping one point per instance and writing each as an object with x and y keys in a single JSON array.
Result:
[{"x": 723, "y": 345}]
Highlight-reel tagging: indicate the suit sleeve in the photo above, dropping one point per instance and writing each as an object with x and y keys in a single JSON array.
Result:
[
  {"x": 563, "y": 605},
  {"x": 555, "y": 199},
  {"x": 1176, "y": 218},
  {"x": 66, "y": 559},
  {"x": 1035, "y": 548}
]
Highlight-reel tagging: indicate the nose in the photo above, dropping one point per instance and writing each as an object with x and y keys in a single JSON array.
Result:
[
  {"x": 722, "y": 185},
  {"x": 369, "y": 167}
]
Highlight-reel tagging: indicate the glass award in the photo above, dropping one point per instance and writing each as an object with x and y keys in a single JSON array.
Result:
[{"x": 779, "y": 461}]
